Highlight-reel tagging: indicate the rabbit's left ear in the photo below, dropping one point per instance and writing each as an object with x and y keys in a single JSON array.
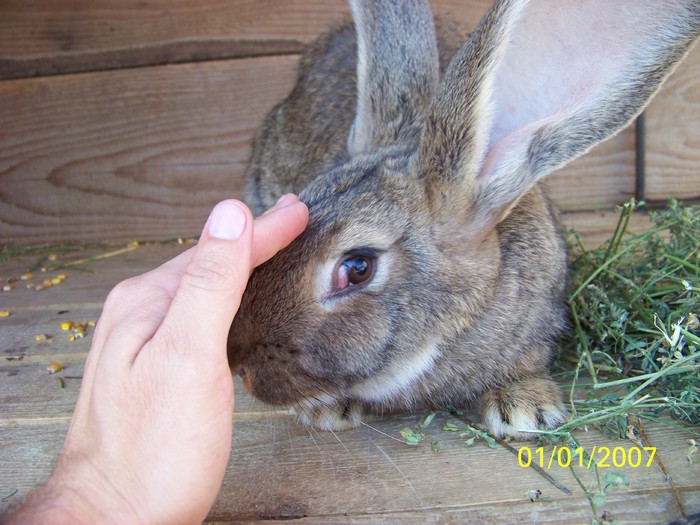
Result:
[
  {"x": 540, "y": 83},
  {"x": 397, "y": 70}
]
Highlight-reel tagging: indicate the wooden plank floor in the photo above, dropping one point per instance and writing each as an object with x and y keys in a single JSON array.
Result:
[{"x": 280, "y": 469}]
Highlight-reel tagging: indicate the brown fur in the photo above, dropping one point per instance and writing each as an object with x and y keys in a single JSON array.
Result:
[{"x": 467, "y": 301}]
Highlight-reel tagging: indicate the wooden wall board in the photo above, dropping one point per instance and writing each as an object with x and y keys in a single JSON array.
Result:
[
  {"x": 596, "y": 227},
  {"x": 46, "y": 37},
  {"x": 144, "y": 153},
  {"x": 599, "y": 180},
  {"x": 129, "y": 154},
  {"x": 673, "y": 135}
]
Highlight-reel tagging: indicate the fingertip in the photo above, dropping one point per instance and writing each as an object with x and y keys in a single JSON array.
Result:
[
  {"x": 288, "y": 199},
  {"x": 228, "y": 220},
  {"x": 278, "y": 227}
]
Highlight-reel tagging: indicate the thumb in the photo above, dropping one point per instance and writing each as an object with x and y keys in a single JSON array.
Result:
[{"x": 213, "y": 282}]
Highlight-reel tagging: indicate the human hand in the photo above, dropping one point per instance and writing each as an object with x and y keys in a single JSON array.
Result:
[{"x": 150, "y": 436}]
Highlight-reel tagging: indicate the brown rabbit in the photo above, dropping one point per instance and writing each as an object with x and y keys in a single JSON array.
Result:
[{"x": 433, "y": 271}]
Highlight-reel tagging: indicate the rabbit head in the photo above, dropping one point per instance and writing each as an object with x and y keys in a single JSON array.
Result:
[{"x": 432, "y": 270}]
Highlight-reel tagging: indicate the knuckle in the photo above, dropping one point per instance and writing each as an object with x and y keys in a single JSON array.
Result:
[
  {"x": 122, "y": 292},
  {"x": 209, "y": 273}
]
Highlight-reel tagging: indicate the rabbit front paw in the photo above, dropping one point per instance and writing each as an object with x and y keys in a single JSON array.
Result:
[
  {"x": 341, "y": 416},
  {"x": 519, "y": 408}
]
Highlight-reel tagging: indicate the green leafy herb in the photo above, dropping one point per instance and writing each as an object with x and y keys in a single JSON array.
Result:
[{"x": 635, "y": 306}]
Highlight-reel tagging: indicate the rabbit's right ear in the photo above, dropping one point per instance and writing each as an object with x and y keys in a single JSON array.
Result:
[
  {"x": 397, "y": 70},
  {"x": 539, "y": 83}
]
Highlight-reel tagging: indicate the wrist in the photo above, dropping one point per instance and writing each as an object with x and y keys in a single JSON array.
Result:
[{"x": 75, "y": 494}]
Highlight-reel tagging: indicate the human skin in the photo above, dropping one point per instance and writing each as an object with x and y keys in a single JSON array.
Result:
[{"x": 151, "y": 433}]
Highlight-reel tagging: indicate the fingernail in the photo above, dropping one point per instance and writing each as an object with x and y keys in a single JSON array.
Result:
[
  {"x": 227, "y": 221},
  {"x": 285, "y": 199}
]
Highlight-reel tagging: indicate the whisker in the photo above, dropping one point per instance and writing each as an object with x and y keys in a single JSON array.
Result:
[
  {"x": 379, "y": 431},
  {"x": 393, "y": 464},
  {"x": 340, "y": 441}
]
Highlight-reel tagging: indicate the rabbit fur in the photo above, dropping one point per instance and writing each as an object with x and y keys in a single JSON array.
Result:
[{"x": 433, "y": 270}]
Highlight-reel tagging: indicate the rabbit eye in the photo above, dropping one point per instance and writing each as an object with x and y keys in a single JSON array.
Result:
[{"x": 353, "y": 271}]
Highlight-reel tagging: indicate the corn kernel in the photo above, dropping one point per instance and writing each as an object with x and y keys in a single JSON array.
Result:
[
  {"x": 55, "y": 281},
  {"x": 52, "y": 257},
  {"x": 54, "y": 367},
  {"x": 66, "y": 325},
  {"x": 7, "y": 288},
  {"x": 26, "y": 276},
  {"x": 4, "y": 313}
]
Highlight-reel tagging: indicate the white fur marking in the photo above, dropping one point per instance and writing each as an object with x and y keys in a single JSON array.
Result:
[{"x": 398, "y": 377}]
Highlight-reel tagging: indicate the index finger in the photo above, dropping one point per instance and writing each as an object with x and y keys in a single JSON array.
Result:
[{"x": 277, "y": 227}]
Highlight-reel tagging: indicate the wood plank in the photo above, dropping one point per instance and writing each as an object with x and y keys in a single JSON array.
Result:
[
  {"x": 90, "y": 274},
  {"x": 45, "y": 37},
  {"x": 595, "y": 228},
  {"x": 642, "y": 507},
  {"x": 280, "y": 469},
  {"x": 600, "y": 180},
  {"x": 365, "y": 469},
  {"x": 145, "y": 154},
  {"x": 673, "y": 135},
  {"x": 129, "y": 154}
]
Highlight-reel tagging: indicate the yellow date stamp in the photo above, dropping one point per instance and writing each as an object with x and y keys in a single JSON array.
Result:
[{"x": 602, "y": 457}]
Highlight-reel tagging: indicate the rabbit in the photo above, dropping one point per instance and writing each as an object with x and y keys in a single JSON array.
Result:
[{"x": 433, "y": 269}]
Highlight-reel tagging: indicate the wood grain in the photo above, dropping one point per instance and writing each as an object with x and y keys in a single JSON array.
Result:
[
  {"x": 600, "y": 180},
  {"x": 129, "y": 154},
  {"x": 596, "y": 227},
  {"x": 673, "y": 135},
  {"x": 144, "y": 154},
  {"x": 46, "y": 37},
  {"x": 280, "y": 469}
]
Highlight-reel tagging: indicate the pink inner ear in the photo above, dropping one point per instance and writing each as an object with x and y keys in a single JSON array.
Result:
[
  {"x": 509, "y": 152},
  {"x": 562, "y": 53}
]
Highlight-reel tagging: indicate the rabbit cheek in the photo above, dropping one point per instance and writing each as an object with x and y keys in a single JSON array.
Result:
[
  {"x": 395, "y": 381},
  {"x": 277, "y": 381}
]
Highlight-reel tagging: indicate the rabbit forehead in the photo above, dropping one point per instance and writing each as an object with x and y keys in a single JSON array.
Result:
[
  {"x": 353, "y": 234},
  {"x": 388, "y": 175},
  {"x": 367, "y": 203}
]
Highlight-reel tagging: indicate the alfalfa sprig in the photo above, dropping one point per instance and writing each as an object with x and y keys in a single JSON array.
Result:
[{"x": 635, "y": 305}]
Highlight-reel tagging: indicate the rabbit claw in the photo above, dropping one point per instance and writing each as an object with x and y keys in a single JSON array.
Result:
[
  {"x": 343, "y": 415},
  {"x": 521, "y": 408}
]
